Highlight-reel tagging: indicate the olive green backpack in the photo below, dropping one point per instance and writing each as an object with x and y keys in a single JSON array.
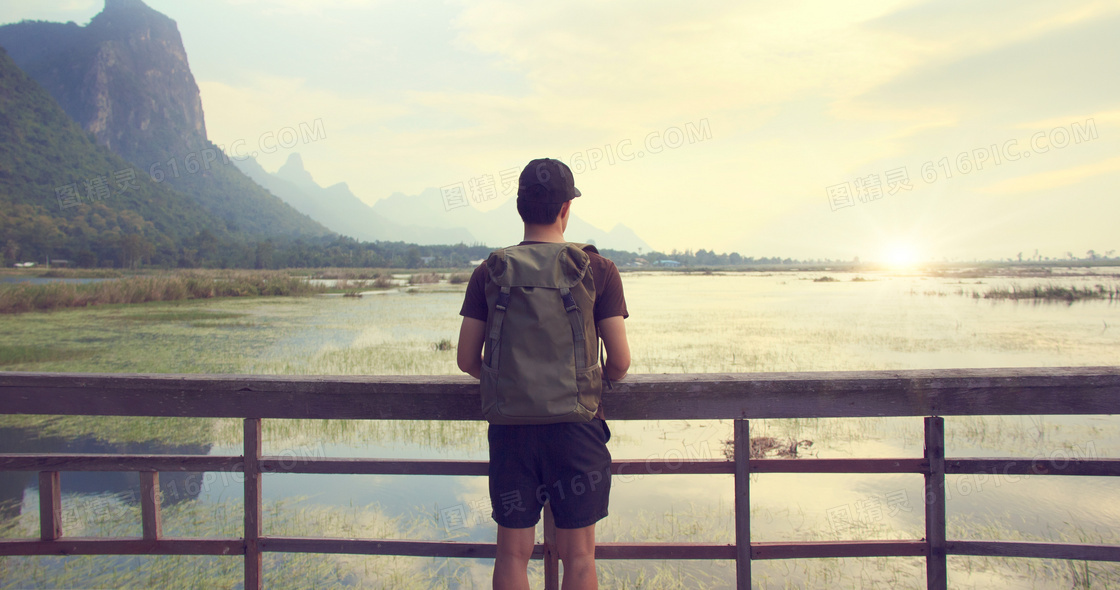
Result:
[{"x": 540, "y": 361}]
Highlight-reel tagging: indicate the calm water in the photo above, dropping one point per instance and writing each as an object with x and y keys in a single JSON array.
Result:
[{"x": 718, "y": 323}]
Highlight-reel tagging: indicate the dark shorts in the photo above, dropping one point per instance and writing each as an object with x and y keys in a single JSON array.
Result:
[{"x": 567, "y": 465}]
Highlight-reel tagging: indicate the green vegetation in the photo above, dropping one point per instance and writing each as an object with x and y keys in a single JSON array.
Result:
[
  {"x": 17, "y": 354},
  {"x": 24, "y": 297},
  {"x": 1052, "y": 292},
  {"x": 423, "y": 278},
  {"x": 44, "y": 155}
]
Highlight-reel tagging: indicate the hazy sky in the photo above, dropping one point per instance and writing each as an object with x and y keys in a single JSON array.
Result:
[{"x": 801, "y": 112}]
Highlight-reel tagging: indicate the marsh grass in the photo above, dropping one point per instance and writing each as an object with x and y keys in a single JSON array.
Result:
[
  {"x": 19, "y": 354},
  {"x": 1067, "y": 294},
  {"x": 24, "y": 297},
  {"x": 423, "y": 278}
]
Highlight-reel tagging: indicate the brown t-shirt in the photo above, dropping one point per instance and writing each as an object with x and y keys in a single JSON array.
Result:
[{"x": 609, "y": 300}]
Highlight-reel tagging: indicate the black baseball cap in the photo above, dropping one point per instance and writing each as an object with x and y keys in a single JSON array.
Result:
[{"x": 547, "y": 181}]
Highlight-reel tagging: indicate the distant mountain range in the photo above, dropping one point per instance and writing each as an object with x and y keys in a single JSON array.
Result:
[
  {"x": 118, "y": 94},
  {"x": 420, "y": 219}
]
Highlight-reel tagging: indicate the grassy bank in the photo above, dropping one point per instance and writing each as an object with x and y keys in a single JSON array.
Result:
[{"x": 24, "y": 297}]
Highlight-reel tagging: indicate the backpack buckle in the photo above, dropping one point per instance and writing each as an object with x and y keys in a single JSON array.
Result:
[
  {"x": 569, "y": 302},
  {"x": 503, "y": 301}
]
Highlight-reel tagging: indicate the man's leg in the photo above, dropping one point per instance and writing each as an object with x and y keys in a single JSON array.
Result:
[
  {"x": 577, "y": 551},
  {"x": 515, "y": 548}
]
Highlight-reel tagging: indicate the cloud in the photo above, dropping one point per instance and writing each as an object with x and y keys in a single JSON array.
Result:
[
  {"x": 1065, "y": 69},
  {"x": 1052, "y": 179}
]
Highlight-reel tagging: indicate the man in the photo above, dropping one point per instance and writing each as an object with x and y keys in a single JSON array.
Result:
[{"x": 533, "y": 463}]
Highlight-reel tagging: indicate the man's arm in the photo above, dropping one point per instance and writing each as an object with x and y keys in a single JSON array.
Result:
[
  {"x": 469, "y": 356},
  {"x": 613, "y": 332}
]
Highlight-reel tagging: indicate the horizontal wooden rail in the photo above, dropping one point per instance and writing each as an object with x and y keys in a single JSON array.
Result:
[
  {"x": 842, "y": 394},
  {"x": 929, "y": 394},
  {"x": 122, "y": 546},
  {"x": 1036, "y": 550},
  {"x": 103, "y": 462},
  {"x": 1054, "y": 466},
  {"x": 352, "y": 466},
  {"x": 608, "y": 551},
  {"x": 820, "y": 549}
]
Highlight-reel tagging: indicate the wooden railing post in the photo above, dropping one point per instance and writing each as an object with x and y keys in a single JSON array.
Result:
[
  {"x": 551, "y": 557},
  {"x": 936, "y": 566},
  {"x": 253, "y": 562},
  {"x": 742, "y": 504},
  {"x": 50, "y": 505},
  {"x": 149, "y": 505}
]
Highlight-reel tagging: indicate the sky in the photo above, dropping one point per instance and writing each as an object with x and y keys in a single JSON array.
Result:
[{"x": 890, "y": 130}]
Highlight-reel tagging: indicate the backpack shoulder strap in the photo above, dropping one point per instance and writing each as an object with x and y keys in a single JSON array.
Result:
[
  {"x": 496, "y": 327},
  {"x": 579, "y": 337}
]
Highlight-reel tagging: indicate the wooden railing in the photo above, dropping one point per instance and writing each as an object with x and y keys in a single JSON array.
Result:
[{"x": 740, "y": 397}]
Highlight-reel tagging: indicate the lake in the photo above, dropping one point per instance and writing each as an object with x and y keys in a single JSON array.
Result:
[{"x": 680, "y": 322}]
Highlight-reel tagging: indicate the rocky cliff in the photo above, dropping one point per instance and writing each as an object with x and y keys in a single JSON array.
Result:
[{"x": 126, "y": 80}]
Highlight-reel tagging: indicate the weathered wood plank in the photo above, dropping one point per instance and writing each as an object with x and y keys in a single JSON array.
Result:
[
  {"x": 1040, "y": 550},
  {"x": 150, "y": 520},
  {"x": 690, "y": 551},
  {"x": 50, "y": 505},
  {"x": 94, "y": 546},
  {"x": 336, "y": 466},
  {"x": 1085, "y": 390},
  {"x": 102, "y": 462},
  {"x": 1055, "y": 466},
  {"x": 839, "y": 466},
  {"x": 937, "y": 570},
  {"x": 383, "y": 547},
  {"x": 488, "y": 550},
  {"x": 820, "y": 549},
  {"x": 254, "y": 563},
  {"x": 742, "y": 442}
]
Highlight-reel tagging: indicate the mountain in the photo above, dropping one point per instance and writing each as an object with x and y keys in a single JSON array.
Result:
[
  {"x": 337, "y": 208},
  {"x": 65, "y": 197},
  {"x": 420, "y": 219},
  {"x": 126, "y": 80},
  {"x": 497, "y": 227}
]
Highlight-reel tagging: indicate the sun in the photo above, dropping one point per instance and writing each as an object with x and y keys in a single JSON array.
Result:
[{"x": 901, "y": 255}]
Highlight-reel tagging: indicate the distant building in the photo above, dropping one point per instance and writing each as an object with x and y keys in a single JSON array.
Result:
[
  {"x": 666, "y": 263},
  {"x": 24, "y": 264},
  {"x": 427, "y": 259}
]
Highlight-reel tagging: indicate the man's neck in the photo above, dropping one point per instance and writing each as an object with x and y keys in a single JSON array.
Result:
[{"x": 544, "y": 233}]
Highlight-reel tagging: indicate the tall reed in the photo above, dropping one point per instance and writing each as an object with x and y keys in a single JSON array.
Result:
[{"x": 24, "y": 297}]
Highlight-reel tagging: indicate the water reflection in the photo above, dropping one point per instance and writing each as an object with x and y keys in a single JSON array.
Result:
[{"x": 125, "y": 486}]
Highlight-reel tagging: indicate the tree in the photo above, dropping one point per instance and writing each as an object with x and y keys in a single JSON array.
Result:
[
  {"x": 264, "y": 254},
  {"x": 11, "y": 251},
  {"x": 135, "y": 248}
]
